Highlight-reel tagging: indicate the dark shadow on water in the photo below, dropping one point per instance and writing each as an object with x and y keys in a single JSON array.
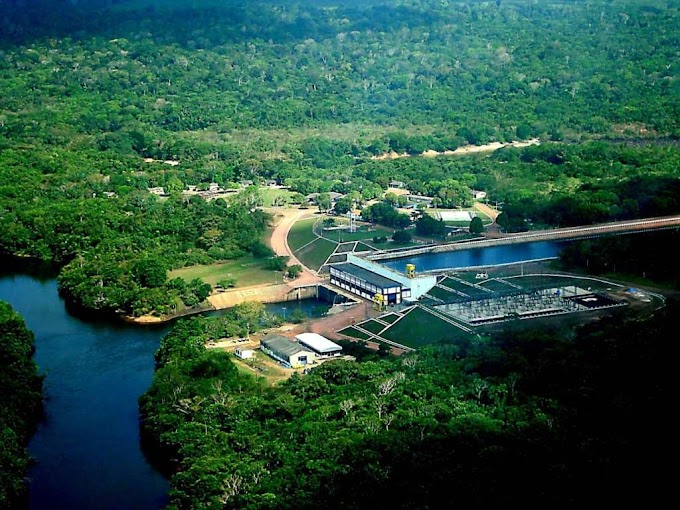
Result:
[{"x": 37, "y": 269}]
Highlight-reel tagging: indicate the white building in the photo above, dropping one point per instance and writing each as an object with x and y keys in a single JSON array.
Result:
[
  {"x": 290, "y": 353},
  {"x": 321, "y": 346},
  {"x": 244, "y": 353}
]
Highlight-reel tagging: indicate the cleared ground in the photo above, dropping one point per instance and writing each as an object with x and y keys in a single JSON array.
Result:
[
  {"x": 275, "y": 197},
  {"x": 246, "y": 270}
]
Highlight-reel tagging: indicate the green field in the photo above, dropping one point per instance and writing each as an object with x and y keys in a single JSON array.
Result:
[
  {"x": 362, "y": 233},
  {"x": 372, "y": 326},
  {"x": 389, "y": 318},
  {"x": 441, "y": 293},
  {"x": 354, "y": 333},
  {"x": 247, "y": 271},
  {"x": 496, "y": 286},
  {"x": 315, "y": 254},
  {"x": 272, "y": 197},
  {"x": 301, "y": 233},
  {"x": 550, "y": 281},
  {"x": 420, "y": 328}
]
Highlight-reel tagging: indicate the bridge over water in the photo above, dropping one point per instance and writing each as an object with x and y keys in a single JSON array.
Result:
[{"x": 557, "y": 234}]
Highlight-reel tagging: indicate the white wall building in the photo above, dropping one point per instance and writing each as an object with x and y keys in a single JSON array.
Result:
[{"x": 322, "y": 347}]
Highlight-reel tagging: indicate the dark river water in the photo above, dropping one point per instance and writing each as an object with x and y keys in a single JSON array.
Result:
[{"x": 87, "y": 451}]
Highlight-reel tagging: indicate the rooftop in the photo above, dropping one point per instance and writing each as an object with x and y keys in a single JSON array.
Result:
[
  {"x": 366, "y": 275},
  {"x": 318, "y": 343},
  {"x": 282, "y": 345}
]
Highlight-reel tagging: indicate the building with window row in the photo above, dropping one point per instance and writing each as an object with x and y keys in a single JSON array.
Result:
[
  {"x": 367, "y": 284},
  {"x": 366, "y": 278}
]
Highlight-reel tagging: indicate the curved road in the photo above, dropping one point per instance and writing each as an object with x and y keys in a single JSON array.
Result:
[{"x": 279, "y": 242}]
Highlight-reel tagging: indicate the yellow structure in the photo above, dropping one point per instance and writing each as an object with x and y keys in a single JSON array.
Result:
[
  {"x": 378, "y": 302},
  {"x": 410, "y": 270}
]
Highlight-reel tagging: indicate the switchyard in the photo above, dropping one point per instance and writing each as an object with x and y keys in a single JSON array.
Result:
[{"x": 492, "y": 308}]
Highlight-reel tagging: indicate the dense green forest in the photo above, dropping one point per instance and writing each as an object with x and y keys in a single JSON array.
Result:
[
  {"x": 527, "y": 416},
  {"x": 20, "y": 404},
  {"x": 101, "y": 100},
  {"x": 305, "y": 93}
]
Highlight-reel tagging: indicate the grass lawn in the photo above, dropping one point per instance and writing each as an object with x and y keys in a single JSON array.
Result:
[
  {"x": 496, "y": 286},
  {"x": 420, "y": 328},
  {"x": 372, "y": 326},
  {"x": 362, "y": 233},
  {"x": 389, "y": 318},
  {"x": 275, "y": 196},
  {"x": 354, "y": 333},
  {"x": 548, "y": 281},
  {"x": 316, "y": 253},
  {"x": 441, "y": 293},
  {"x": 247, "y": 271},
  {"x": 301, "y": 234}
]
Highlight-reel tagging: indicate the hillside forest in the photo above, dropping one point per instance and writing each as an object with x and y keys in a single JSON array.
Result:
[
  {"x": 103, "y": 101},
  {"x": 100, "y": 101}
]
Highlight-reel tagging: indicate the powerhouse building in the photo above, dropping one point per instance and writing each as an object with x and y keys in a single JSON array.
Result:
[{"x": 366, "y": 279}]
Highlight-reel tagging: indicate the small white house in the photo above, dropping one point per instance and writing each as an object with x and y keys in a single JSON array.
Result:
[{"x": 244, "y": 353}]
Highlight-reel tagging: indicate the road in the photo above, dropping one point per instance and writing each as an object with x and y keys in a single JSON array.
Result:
[
  {"x": 279, "y": 242},
  {"x": 485, "y": 209}
]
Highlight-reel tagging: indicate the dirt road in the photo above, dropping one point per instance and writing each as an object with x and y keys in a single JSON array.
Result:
[
  {"x": 485, "y": 209},
  {"x": 461, "y": 151},
  {"x": 279, "y": 242}
]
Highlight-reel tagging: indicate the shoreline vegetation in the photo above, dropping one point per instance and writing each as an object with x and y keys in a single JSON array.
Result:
[
  {"x": 526, "y": 398},
  {"x": 21, "y": 405},
  {"x": 76, "y": 185},
  {"x": 117, "y": 119}
]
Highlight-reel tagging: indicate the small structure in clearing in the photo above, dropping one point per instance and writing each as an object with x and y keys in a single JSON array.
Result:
[
  {"x": 244, "y": 353},
  {"x": 322, "y": 347},
  {"x": 289, "y": 353}
]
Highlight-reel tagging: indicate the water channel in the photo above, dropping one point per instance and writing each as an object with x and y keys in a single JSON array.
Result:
[{"x": 87, "y": 451}]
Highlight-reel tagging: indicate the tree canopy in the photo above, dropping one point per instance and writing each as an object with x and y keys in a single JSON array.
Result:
[{"x": 20, "y": 404}]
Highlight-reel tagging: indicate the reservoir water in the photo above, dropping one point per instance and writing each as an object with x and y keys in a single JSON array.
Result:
[{"x": 497, "y": 255}]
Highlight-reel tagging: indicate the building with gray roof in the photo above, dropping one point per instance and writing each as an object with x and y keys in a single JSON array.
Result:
[{"x": 288, "y": 352}]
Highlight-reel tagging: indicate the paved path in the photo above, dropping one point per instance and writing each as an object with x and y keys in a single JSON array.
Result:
[
  {"x": 279, "y": 242},
  {"x": 485, "y": 209}
]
